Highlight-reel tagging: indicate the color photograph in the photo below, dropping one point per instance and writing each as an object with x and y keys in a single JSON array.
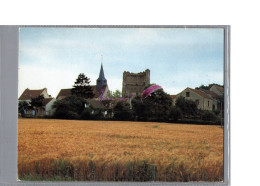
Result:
[{"x": 128, "y": 104}]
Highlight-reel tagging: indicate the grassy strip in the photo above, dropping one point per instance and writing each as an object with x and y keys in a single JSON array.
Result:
[{"x": 64, "y": 170}]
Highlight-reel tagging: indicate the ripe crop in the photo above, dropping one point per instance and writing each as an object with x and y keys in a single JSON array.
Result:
[{"x": 51, "y": 149}]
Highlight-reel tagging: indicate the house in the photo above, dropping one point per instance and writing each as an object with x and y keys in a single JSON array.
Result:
[
  {"x": 28, "y": 94},
  {"x": 204, "y": 101},
  {"x": 219, "y": 90},
  {"x": 97, "y": 92},
  {"x": 46, "y": 104}
]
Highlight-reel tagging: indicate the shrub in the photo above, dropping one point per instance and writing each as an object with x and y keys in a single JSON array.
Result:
[
  {"x": 155, "y": 107},
  {"x": 98, "y": 114},
  {"x": 188, "y": 107},
  {"x": 175, "y": 113},
  {"x": 69, "y": 108},
  {"x": 209, "y": 116},
  {"x": 72, "y": 115},
  {"x": 122, "y": 111},
  {"x": 86, "y": 114}
]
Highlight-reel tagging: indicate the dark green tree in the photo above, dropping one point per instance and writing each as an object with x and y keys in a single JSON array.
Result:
[
  {"x": 208, "y": 115},
  {"x": 187, "y": 107},
  {"x": 175, "y": 113},
  {"x": 203, "y": 87},
  {"x": 156, "y": 107},
  {"x": 123, "y": 112},
  {"x": 208, "y": 87},
  {"x": 22, "y": 105},
  {"x": 69, "y": 108},
  {"x": 37, "y": 102},
  {"x": 81, "y": 87},
  {"x": 86, "y": 114}
]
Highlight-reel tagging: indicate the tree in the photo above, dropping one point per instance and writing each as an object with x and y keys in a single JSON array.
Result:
[
  {"x": 187, "y": 107},
  {"x": 203, "y": 87},
  {"x": 208, "y": 115},
  {"x": 155, "y": 107},
  {"x": 123, "y": 112},
  {"x": 208, "y": 87},
  {"x": 22, "y": 105},
  {"x": 175, "y": 113},
  {"x": 82, "y": 88},
  {"x": 116, "y": 94},
  {"x": 69, "y": 108},
  {"x": 37, "y": 102}
]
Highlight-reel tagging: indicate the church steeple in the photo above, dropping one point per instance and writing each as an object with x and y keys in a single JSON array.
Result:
[{"x": 101, "y": 81}]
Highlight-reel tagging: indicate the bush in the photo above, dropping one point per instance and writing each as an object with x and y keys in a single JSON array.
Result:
[
  {"x": 69, "y": 108},
  {"x": 175, "y": 113},
  {"x": 208, "y": 116},
  {"x": 72, "y": 115},
  {"x": 155, "y": 107},
  {"x": 86, "y": 114},
  {"x": 188, "y": 107},
  {"x": 98, "y": 114},
  {"x": 123, "y": 112}
]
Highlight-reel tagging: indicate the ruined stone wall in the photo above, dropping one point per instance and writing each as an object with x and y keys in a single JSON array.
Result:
[{"x": 134, "y": 83}]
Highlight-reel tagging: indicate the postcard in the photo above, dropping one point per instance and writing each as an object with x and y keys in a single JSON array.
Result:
[{"x": 135, "y": 104}]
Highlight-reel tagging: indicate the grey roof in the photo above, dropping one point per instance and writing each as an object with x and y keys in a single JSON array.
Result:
[
  {"x": 101, "y": 81},
  {"x": 101, "y": 73}
]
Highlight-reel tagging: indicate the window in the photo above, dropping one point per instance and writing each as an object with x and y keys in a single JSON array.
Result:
[
  {"x": 187, "y": 94},
  {"x": 197, "y": 102},
  {"x": 208, "y": 103}
]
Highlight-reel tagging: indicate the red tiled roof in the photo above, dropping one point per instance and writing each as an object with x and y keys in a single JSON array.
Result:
[
  {"x": 28, "y": 94},
  {"x": 67, "y": 92},
  {"x": 64, "y": 93},
  {"x": 95, "y": 103},
  {"x": 96, "y": 92},
  {"x": 46, "y": 101},
  {"x": 221, "y": 89},
  {"x": 173, "y": 96},
  {"x": 199, "y": 92},
  {"x": 211, "y": 93}
]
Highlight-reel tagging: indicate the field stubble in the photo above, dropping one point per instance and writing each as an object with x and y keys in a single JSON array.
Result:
[{"x": 118, "y": 151}]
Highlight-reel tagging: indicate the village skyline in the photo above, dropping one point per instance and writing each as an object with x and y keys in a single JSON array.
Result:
[{"x": 52, "y": 58}]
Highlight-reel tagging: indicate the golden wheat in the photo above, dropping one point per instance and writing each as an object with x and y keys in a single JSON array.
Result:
[{"x": 192, "y": 147}]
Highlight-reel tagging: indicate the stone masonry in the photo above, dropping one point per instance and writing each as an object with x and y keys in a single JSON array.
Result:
[{"x": 134, "y": 83}]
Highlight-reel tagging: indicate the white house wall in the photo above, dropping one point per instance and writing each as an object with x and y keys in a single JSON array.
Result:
[
  {"x": 48, "y": 108},
  {"x": 214, "y": 89},
  {"x": 45, "y": 93},
  {"x": 204, "y": 103}
]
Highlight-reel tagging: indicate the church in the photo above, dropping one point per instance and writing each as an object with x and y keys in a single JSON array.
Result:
[{"x": 101, "y": 87}]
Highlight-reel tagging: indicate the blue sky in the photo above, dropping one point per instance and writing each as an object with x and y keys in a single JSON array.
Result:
[{"x": 177, "y": 57}]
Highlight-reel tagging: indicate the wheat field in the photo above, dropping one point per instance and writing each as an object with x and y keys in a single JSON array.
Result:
[{"x": 118, "y": 151}]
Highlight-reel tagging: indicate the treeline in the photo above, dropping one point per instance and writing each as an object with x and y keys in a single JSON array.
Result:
[{"x": 157, "y": 107}]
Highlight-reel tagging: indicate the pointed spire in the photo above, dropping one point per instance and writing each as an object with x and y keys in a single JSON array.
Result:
[
  {"x": 101, "y": 81},
  {"x": 101, "y": 73}
]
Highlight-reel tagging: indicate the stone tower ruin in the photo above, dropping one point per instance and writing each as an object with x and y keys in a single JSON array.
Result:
[{"x": 134, "y": 83}]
